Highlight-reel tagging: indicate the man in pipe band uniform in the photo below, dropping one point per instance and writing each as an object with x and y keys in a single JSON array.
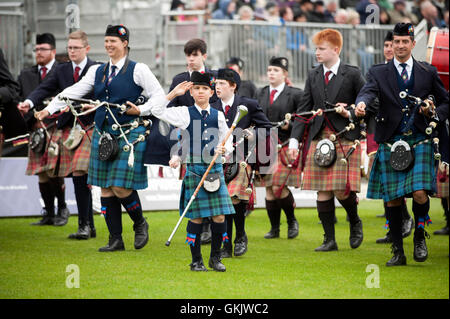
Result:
[
  {"x": 119, "y": 81},
  {"x": 227, "y": 84},
  {"x": 337, "y": 83},
  {"x": 277, "y": 99},
  {"x": 43, "y": 161},
  {"x": 400, "y": 122},
  {"x": 372, "y": 146},
  {"x": 201, "y": 120},
  {"x": 73, "y": 160},
  {"x": 247, "y": 88}
]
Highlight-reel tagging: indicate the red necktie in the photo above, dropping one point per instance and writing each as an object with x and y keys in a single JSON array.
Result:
[
  {"x": 272, "y": 95},
  {"x": 76, "y": 74},
  {"x": 327, "y": 77},
  {"x": 227, "y": 108},
  {"x": 43, "y": 72}
]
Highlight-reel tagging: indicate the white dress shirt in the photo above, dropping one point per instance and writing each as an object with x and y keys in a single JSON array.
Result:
[
  {"x": 142, "y": 76},
  {"x": 81, "y": 65},
  {"x": 279, "y": 89},
  {"x": 334, "y": 69},
  {"x": 229, "y": 103},
  {"x": 409, "y": 66}
]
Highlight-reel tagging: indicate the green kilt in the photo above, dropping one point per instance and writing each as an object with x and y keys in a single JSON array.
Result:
[
  {"x": 117, "y": 172},
  {"x": 387, "y": 184},
  {"x": 205, "y": 204}
]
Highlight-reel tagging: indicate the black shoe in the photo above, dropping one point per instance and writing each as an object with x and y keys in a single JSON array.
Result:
[
  {"x": 113, "y": 245},
  {"x": 443, "y": 231},
  {"x": 292, "y": 229},
  {"x": 327, "y": 245},
  {"x": 205, "y": 237},
  {"x": 140, "y": 234},
  {"x": 420, "y": 245},
  {"x": 407, "y": 226},
  {"x": 240, "y": 246},
  {"x": 356, "y": 234},
  {"x": 273, "y": 233},
  {"x": 399, "y": 258},
  {"x": 93, "y": 232},
  {"x": 226, "y": 253},
  {"x": 216, "y": 264},
  {"x": 384, "y": 240},
  {"x": 198, "y": 265},
  {"x": 62, "y": 217},
  {"x": 46, "y": 219},
  {"x": 83, "y": 232}
]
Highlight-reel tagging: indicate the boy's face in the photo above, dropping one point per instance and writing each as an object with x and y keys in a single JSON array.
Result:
[
  {"x": 388, "y": 51},
  {"x": 276, "y": 75},
  {"x": 224, "y": 90},
  {"x": 195, "y": 60},
  {"x": 201, "y": 94},
  {"x": 326, "y": 52},
  {"x": 77, "y": 50}
]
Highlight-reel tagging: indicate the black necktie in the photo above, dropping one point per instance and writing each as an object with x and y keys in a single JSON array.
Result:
[{"x": 204, "y": 114}]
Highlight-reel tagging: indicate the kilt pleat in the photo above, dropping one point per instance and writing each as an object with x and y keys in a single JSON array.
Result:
[
  {"x": 117, "y": 172},
  {"x": 237, "y": 186},
  {"x": 205, "y": 204},
  {"x": 46, "y": 162},
  {"x": 387, "y": 184}
]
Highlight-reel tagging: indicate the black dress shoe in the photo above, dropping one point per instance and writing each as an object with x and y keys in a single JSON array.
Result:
[
  {"x": 140, "y": 234},
  {"x": 384, "y": 240},
  {"x": 93, "y": 232},
  {"x": 198, "y": 266},
  {"x": 83, "y": 232},
  {"x": 327, "y": 245},
  {"x": 273, "y": 233},
  {"x": 240, "y": 246},
  {"x": 62, "y": 217},
  {"x": 205, "y": 237},
  {"x": 399, "y": 258},
  {"x": 442, "y": 231},
  {"x": 46, "y": 219},
  {"x": 114, "y": 244},
  {"x": 292, "y": 229},
  {"x": 420, "y": 245},
  {"x": 356, "y": 234},
  {"x": 216, "y": 264},
  {"x": 226, "y": 253},
  {"x": 407, "y": 226}
]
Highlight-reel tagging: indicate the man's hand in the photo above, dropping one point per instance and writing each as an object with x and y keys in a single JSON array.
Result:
[
  {"x": 428, "y": 110},
  {"x": 344, "y": 113},
  {"x": 360, "y": 109},
  {"x": 175, "y": 161},
  {"x": 23, "y": 107},
  {"x": 292, "y": 154},
  {"x": 134, "y": 110},
  {"x": 41, "y": 114},
  {"x": 220, "y": 149}
]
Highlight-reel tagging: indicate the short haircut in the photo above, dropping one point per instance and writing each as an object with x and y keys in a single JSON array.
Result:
[
  {"x": 330, "y": 35},
  {"x": 194, "y": 45},
  {"x": 79, "y": 35}
]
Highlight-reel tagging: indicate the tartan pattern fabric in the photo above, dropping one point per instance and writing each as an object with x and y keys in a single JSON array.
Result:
[
  {"x": 334, "y": 177},
  {"x": 117, "y": 172},
  {"x": 76, "y": 159},
  {"x": 46, "y": 162},
  {"x": 237, "y": 187},
  {"x": 205, "y": 204},
  {"x": 387, "y": 184},
  {"x": 442, "y": 182}
]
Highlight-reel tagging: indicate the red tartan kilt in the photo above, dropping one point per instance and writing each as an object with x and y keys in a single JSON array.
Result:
[
  {"x": 334, "y": 177},
  {"x": 76, "y": 159},
  {"x": 237, "y": 186},
  {"x": 442, "y": 185},
  {"x": 46, "y": 162}
]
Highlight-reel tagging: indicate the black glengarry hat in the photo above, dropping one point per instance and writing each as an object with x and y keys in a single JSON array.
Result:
[
  {"x": 236, "y": 61},
  {"x": 46, "y": 38},
  {"x": 403, "y": 29},
  {"x": 280, "y": 62},
  {"x": 206, "y": 79},
  {"x": 229, "y": 75},
  {"x": 389, "y": 36},
  {"x": 120, "y": 31}
]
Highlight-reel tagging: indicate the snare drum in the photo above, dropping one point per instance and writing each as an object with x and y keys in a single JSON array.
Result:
[{"x": 437, "y": 53}]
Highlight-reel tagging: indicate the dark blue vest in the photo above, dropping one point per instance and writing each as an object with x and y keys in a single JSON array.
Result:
[
  {"x": 408, "y": 87},
  {"x": 121, "y": 89},
  {"x": 199, "y": 136}
]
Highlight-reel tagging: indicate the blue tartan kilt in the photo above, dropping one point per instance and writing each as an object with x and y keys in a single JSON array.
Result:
[
  {"x": 387, "y": 184},
  {"x": 117, "y": 172},
  {"x": 206, "y": 204}
]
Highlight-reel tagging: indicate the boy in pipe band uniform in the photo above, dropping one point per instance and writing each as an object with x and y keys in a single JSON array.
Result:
[
  {"x": 337, "y": 83},
  {"x": 397, "y": 119},
  {"x": 206, "y": 128}
]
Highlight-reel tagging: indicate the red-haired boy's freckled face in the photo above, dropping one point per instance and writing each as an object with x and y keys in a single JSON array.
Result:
[{"x": 326, "y": 52}]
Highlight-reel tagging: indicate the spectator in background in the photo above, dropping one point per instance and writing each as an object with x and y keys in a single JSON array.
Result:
[
  {"x": 341, "y": 16},
  {"x": 431, "y": 14},
  {"x": 399, "y": 13},
  {"x": 273, "y": 14},
  {"x": 226, "y": 10},
  {"x": 318, "y": 13},
  {"x": 344, "y": 4},
  {"x": 245, "y": 13},
  {"x": 330, "y": 11},
  {"x": 385, "y": 18},
  {"x": 307, "y": 7},
  {"x": 364, "y": 10},
  {"x": 300, "y": 16},
  {"x": 286, "y": 14},
  {"x": 353, "y": 17}
]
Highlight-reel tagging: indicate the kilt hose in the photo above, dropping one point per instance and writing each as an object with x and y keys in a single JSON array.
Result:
[
  {"x": 334, "y": 177},
  {"x": 238, "y": 185},
  {"x": 205, "y": 204},
  {"x": 46, "y": 162},
  {"x": 387, "y": 184},
  {"x": 282, "y": 174},
  {"x": 77, "y": 159},
  {"x": 117, "y": 172}
]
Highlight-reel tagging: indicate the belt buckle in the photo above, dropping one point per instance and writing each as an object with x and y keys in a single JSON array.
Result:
[{"x": 407, "y": 133}]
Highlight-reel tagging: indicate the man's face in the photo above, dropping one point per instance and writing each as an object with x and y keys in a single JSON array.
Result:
[
  {"x": 224, "y": 90},
  {"x": 44, "y": 53},
  {"x": 195, "y": 60},
  {"x": 388, "y": 51},
  {"x": 326, "y": 52},
  {"x": 201, "y": 93},
  {"x": 402, "y": 46},
  {"x": 275, "y": 75},
  {"x": 76, "y": 50}
]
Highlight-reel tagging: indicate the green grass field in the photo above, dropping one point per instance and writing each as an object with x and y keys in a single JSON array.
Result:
[{"x": 33, "y": 262}]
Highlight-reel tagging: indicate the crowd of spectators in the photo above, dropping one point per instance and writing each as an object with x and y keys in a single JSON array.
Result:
[{"x": 323, "y": 11}]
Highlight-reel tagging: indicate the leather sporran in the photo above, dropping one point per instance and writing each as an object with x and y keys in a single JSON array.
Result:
[
  {"x": 402, "y": 156},
  {"x": 212, "y": 182},
  {"x": 75, "y": 137},
  {"x": 108, "y": 147},
  {"x": 230, "y": 171},
  {"x": 38, "y": 141},
  {"x": 325, "y": 153}
]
